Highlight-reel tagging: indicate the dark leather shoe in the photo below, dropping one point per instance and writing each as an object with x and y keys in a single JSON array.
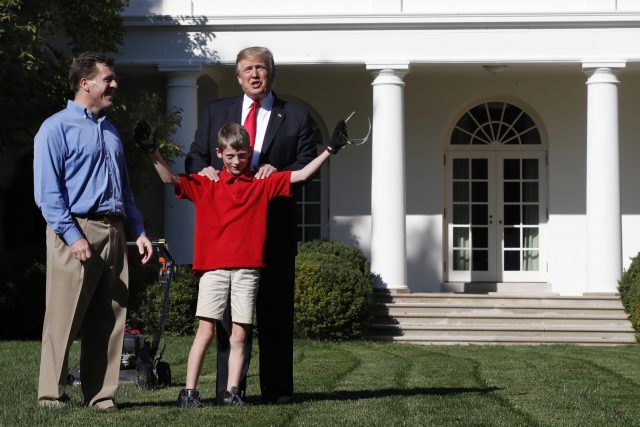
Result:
[
  {"x": 283, "y": 400},
  {"x": 280, "y": 400},
  {"x": 189, "y": 398}
]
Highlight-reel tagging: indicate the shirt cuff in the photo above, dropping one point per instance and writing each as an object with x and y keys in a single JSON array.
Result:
[{"x": 72, "y": 235}]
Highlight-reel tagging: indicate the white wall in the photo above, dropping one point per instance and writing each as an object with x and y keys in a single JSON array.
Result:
[
  {"x": 339, "y": 7},
  {"x": 321, "y": 55},
  {"x": 432, "y": 101}
]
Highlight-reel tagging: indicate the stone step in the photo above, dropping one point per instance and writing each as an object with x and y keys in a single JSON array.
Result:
[
  {"x": 483, "y": 319},
  {"x": 450, "y": 318},
  {"x": 500, "y": 301},
  {"x": 444, "y": 309},
  {"x": 504, "y": 340},
  {"x": 499, "y": 329}
]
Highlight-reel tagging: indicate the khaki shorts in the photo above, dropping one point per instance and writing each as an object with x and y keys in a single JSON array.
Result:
[{"x": 214, "y": 291}]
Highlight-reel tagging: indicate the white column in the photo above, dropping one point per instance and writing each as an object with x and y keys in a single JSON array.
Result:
[
  {"x": 179, "y": 215},
  {"x": 604, "y": 227},
  {"x": 388, "y": 210}
]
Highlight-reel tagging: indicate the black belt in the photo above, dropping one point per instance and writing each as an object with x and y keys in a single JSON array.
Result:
[{"x": 105, "y": 218}]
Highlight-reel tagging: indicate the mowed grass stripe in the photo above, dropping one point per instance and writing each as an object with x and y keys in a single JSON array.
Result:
[{"x": 367, "y": 383}]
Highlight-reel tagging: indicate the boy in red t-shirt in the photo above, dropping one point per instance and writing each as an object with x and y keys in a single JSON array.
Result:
[{"x": 230, "y": 230}]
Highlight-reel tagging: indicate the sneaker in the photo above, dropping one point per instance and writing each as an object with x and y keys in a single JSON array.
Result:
[
  {"x": 232, "y": 398},
  {"x": 189, "y": 398}
]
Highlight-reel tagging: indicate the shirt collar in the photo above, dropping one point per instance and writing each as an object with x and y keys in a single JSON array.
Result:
[
  {"x": 81, "y": 109},
  {"x": 266, "y": 102},
  {"x": 228, "y": 177}
]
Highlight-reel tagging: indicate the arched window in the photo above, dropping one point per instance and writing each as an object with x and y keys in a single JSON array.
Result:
[{"x": 495, "y": 123}]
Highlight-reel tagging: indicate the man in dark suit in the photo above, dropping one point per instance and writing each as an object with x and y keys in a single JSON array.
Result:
[{"x": 283, "y": 141}]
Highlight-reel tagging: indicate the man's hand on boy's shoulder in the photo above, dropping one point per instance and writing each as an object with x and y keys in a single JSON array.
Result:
[
  {"x": 210, "y": 173},
  {"x": 264, "y": 171}
]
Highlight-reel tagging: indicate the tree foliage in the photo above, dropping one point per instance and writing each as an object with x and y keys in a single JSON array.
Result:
[
  {"x": 125, "y": 115},
  {"x": 37, "y": 40}
]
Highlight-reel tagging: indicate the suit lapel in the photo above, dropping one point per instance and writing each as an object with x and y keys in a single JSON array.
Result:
[
  {"x": 235, "y": 109},
  {"x": 275, "y": 120}
]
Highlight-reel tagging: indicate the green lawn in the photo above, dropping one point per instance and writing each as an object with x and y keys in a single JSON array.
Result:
[{"x": 364, "y": 383}]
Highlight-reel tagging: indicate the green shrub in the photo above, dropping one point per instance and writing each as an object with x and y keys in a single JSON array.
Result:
[
  {"x": 333, "y": 291},
  {"x": 146, "y": 304},
  {"x": 629, "y": 288}
]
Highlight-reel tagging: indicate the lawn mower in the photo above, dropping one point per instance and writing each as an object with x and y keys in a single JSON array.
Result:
[{"x": 141, "y": 363}]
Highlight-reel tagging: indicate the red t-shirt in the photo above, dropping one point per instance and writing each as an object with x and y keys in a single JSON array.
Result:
[{"x": 231, "y": 217}]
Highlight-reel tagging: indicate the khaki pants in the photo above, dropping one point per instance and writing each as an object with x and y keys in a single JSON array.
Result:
[{"x": 90, "y": 299}]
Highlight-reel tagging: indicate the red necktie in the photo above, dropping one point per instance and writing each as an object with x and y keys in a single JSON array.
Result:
[{"x": 250, "y": 123}]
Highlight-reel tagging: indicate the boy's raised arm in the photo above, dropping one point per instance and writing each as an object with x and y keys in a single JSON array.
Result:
[
  {"x": 337, "y": 142},
  {"x": 163, "y": 169},
  {"x": 142, "y": 135}
]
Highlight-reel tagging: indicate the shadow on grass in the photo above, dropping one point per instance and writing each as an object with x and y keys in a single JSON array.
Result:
[
  {"x": 341, "y": 395},
  {"x": 372, "y": 394}
]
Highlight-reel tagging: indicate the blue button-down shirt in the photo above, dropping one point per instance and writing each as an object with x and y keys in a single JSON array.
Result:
[{"x": 79, "y": 169}]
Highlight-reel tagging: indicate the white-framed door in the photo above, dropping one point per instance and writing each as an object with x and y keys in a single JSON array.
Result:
[{"x": 495, "y": 216}]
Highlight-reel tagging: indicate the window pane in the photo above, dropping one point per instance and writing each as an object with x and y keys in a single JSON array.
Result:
[
  {"x": 311, "y": 233},
  {"x": 530, "y": 215},
  {"x": 509, "y": 137},
  {"x": 479, "y": 168},
  {"x": 460, "y": 168},
  {"x": 530, "y": 168},
  {"x": 511, "y": 169},
  {"x": 480, "y": 260},
  {"x": 495, "y": 110},
  {"x": 483, "y": 136},
  {"x": 460, "y": 237},
  {"x": 461, "y": 191},
  {"x": 461, "y": 260},
  {"x": 511, "y": 214},
  {"x": 461, "y": 214},
  {"x": 495, "y": 122},
  {"x": 300, "y": 213},
  {"x": 511, "y": 237},
  {"x": 530, "y": 137},
  {"x": 512, "y": 192},
  {"x": 459, "y": 137},
  {"x": 467, "y": 123},
  {"x": 312, "y": 191},
  {"x": 530, "y": 237},
  {"x": 479, "y": 112},
  {"x": 511, "y": 113},
  {"x": 496, "y": 127},
  {"x": 511, "y": 260},
  {"x": 480, "y": 236},
  {"x": 530, "y": 192},
  {"x": 312, "y": 214},
  {"x": 523, "y": 124},
  {"x": 479, "y": 215},
  {"x": 479, "y": 191},
  {"x": 530, "y": 260}
]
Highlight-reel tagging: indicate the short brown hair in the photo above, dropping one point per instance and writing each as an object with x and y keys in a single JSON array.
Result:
[
  {"x": 84, "y": 66},
  {"x": 235, "y": 136}
]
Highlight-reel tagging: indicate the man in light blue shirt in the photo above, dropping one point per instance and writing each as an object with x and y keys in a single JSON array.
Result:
[{"x": 82, "y": 188}]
